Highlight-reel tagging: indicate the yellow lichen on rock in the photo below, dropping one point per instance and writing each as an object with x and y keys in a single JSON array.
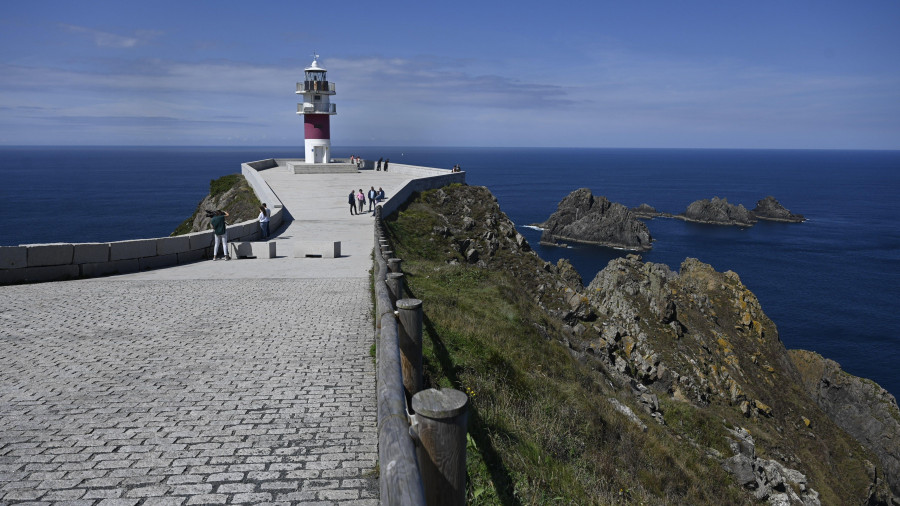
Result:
[{"x": 762, "y": 407}]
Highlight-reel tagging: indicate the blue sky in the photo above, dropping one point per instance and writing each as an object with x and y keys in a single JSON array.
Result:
[{"x": 711, "y": 74}]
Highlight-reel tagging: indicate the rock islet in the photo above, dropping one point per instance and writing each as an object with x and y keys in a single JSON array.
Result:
[{"x": 584, "y": 218}]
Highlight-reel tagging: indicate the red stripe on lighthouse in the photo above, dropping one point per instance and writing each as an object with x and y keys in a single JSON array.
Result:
[{"x": 316, "y": 126}]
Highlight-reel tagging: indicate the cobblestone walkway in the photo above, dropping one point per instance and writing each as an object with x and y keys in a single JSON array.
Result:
[{"x": 187, "y": 392}]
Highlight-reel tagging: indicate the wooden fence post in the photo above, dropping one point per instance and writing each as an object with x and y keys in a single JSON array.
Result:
[
  {"x": 440, "y": 427},
  {"x": 409, "y": 337},
  {"x": 394, "y": 281}
]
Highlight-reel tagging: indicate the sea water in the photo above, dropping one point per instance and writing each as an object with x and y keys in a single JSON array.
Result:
[{"x": 830, "y": 284}]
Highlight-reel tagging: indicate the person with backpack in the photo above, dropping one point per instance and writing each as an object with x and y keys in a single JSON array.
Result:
[
  {"x": 220, "y": 229},
  {"x": 352, "y": 202}
]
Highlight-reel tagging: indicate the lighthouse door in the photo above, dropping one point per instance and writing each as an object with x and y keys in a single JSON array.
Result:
[{"x": 319, "y": 154}]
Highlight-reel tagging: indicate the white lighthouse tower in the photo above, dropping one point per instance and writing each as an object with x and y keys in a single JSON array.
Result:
[{"x": 317, "y": 110}]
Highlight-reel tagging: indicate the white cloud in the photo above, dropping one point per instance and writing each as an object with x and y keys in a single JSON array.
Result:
[
  {"x": 616, "y": 99},
  {"x": 107, "y": 39}
]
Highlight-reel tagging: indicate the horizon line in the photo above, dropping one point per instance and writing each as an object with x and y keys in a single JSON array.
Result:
[{"x": 362, "y": 146}]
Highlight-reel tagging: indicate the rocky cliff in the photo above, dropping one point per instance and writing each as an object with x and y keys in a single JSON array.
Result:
[
  {"x": 699, "y": 336},
  {"x": 647, "y": 386},
  {"x": 582, "y": 217},
  {"x": 772, "y": 210},
  {"x": 231, "y": 193},
  {"x": 866, "y": 411}
]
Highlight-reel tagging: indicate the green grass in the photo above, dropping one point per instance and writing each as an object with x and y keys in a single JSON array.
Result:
[{"x": 541, "y": 428}]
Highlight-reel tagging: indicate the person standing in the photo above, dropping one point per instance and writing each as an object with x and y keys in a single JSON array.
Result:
[
  {"x": 361, "y": 200},
  {"x": 380, "y": 195},
  {"x": 372, "y": 195},
  {"x": 352, "y": 202},
  {"x": 220, "y": 235},
  {"x": 386, "y": 164},
  {"x": 264, "y": 221},
  {"x": 378, "y": 165}
]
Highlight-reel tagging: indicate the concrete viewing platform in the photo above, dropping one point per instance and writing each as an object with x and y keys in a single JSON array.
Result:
[{"x": 214, "y": 382}]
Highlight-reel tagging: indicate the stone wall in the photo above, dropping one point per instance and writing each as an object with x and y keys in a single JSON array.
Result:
[{"x": 33, "y": 263}]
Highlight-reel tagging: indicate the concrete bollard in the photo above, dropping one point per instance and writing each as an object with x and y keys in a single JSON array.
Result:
[
  {"x": 387, "y": 253},
  {"x": 394, "y": 282},
  {"x": 440, "y": 430},
  {"x": 394, "y": 264},
  {"x": 409, "y": 335}
]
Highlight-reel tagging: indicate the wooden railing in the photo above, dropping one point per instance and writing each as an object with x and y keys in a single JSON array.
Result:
[{"x": 422, "y": 443}]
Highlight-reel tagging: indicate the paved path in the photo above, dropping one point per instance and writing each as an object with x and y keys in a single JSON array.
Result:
[{"x": 247, "y": 381}]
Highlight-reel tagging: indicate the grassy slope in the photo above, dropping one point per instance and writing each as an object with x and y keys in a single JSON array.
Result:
[
  {"x": 242, "y": 203},
  {"x": 542, "y": 430}
]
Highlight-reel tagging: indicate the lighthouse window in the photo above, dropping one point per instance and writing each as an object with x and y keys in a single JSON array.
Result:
[{"x": 318, "y": 97}]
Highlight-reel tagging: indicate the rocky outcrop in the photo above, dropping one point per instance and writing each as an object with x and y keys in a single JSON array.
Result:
[
  {"x": 866, "y": 411},
  {"x": 648, "y": 212},
  {"x": 686, "y": 358},
  {"x": 767, "y": 479},
  {"x": 700, "y": 337},
  {"x": 772, "y": 210},
  {"x": 230, "y": 193},
  {"x": 582, "y": 217},
  {"x": 718, "y": 212}
]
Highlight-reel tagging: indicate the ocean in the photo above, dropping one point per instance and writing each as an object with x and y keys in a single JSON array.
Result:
[{"x": 830, "y": 284}]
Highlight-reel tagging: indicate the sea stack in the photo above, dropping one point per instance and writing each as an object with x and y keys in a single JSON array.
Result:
[
  {"x": 582, "y": 217},
  {"x": 718, "y": 212},
  {"x": 770, "y": 209}
]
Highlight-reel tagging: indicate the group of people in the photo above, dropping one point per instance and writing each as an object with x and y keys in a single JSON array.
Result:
[
  {"x": 357, "y": 160},
  {"x": 456, "y": 168},
  {"x": 382, "y": 164},
  {"x": 357, "y": 199}
]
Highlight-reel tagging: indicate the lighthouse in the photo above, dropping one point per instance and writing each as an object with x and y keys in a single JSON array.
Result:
[{"x": 317, "y": 110}]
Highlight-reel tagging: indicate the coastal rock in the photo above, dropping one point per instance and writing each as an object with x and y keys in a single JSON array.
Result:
[
  {"x": 718, "y": 212},
  {"x": 699, "y": 337},
  {"x": 231, "y": 193},
  {"x": 772, "y": 210},
  {"x": 866, "y": 411},
  {"x": 582, "y": 217},
  {"x": 648, "y": 212},
  {"x": 690, "y": 350}
]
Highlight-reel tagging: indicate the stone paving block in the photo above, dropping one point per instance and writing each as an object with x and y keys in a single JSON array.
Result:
[
  {"x": 193, "y": 489},
  {"x": 118, "y": 502},
  {"x": 164, "y": 501},
  {"x": 208, "y": 499}
]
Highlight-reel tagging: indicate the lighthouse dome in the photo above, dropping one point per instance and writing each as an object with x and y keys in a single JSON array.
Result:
[{"x": 314, "y": 66}]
